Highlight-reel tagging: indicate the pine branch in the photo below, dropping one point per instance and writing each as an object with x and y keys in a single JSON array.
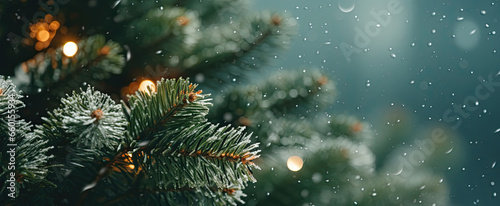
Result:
[
  {"x": 224, "y": 155},
  {"x": 226, "y": 51},
  {"x": 329, "y": 167},
  {"x": 85, "y": 129},
  {"x": 168, "y": 31},
  {"x": 175, "y": 102},
  {"x": 26, "y": 154},
  {"x": 290, "y": 93},
  {"x": 172, "y": 145},
  {"x": 53, "y": 70},
  {"x": 102, "y": 173},
  {"x": 91, "y": 116}
]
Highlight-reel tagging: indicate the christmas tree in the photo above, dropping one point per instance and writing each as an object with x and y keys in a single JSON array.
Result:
[{"x": 102, "y": 105}]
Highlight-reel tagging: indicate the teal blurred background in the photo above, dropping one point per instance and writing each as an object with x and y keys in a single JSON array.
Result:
[{"x": 415, "y": 67}]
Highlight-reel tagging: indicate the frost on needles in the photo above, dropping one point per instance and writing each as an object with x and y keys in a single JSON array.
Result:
[{"x": 157, "y": 147}]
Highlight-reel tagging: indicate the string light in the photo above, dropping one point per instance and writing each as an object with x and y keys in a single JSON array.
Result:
[
  {"x": 129, "y": 159},
  {"x": 294, "y": 163},
  {"x": 43, "y": 31},
  {"x": 70, "y": 49},
  {"x": 145, "y": 84},
  {"x": 43, "y": 36}
]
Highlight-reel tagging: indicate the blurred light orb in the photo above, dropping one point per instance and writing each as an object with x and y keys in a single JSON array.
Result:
[
  {"x": 294, "y": 163},
  {"x": 346, "y": 6},
  {"x": 43, "y": 36},
  {"x": 466, "y": 34},
  {"x": 70, "y": 49},
  {"x": 145, "y": 84}
]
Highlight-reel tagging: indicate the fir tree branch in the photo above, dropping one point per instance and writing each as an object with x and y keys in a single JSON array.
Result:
[
  {"x": 26, "y": 154},
  {"x": 174, "y": 102},
  {"x": 169, "y": 133},
  {"x": 280, "y": 94},
  {"x": 253, "y": 36},
  {"x": 206, "y": 148},
  {"x": 102, "y": 173},
  {"x": 53, "y": 69}
]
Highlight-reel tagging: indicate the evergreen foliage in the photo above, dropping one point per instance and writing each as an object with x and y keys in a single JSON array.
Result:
[
  {"x": 163, "y": 145},
  {"x": 159, "y": 145}
]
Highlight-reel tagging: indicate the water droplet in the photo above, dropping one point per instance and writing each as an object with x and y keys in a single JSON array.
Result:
[
  {"x": 161, "y": 8},
  {"x": 115, "y": 4},
  {"x": 433, "y": 31},
  {"x": 492, "y": 183},
  {"x": 393, "y": 55},
  {"x": 429, "y": 44},
  {"x": 374, "y": 194},
  {"x": 483, "y": 12},
  {"x": 472, "y": 32},
  {"x": 496, "y": 131},
  {"x": 413, "y": 44},
  {"x": 346, "y": 6},
  {"x": 487, "y": 25},
  {"x": 460, "y": 18}
]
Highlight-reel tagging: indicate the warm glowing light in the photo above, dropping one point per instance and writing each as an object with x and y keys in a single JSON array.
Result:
[
  {"x": 43, "y": 36},
  {"x": 294, "y": 163},
  {"x": 182, "y": 20},
  {"x": 131, "y": 166},
  {"x": 54, "y": 25},
  {"x": 145, "y": 84},
  {"x": 70, "y": 49}
]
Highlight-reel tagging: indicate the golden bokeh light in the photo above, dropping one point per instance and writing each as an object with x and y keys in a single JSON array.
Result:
[
  {"x": 43, "y": 36},
  {"x": 43, "y": 31},
  {"x": 54, "y": 25},
  {"x": 294, "y": 163},
  {"x": 145, "y": 84},
  {"x": 70, "y": 49}
]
